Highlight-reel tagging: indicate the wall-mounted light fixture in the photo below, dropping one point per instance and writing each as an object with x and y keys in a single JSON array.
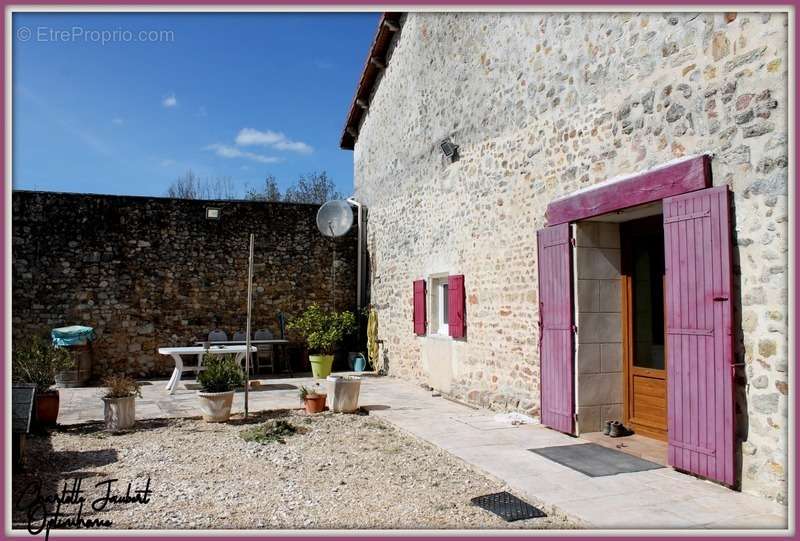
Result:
[{"x": 212, "y": 213}]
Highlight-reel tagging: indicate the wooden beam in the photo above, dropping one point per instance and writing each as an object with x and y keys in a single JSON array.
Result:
[
  {"x": 391, "y": 25},
  {"x": 361, "y": 103},
  {"x": 687, "y": 176},
  {"x": 352, "y": 131}
]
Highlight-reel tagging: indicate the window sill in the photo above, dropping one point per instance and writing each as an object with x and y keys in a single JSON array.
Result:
[{"x": 439, "y": 337}]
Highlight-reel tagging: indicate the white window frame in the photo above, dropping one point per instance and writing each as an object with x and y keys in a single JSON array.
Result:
[
  {"x": 437, "y": 303},
  {"x": 443, "y": 326}
]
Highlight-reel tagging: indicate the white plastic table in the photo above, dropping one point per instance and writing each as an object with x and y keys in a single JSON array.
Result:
[{"x": 176, "y": 353}]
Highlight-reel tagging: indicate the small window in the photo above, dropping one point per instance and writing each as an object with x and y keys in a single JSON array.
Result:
[{"x": 439, "y": 306}]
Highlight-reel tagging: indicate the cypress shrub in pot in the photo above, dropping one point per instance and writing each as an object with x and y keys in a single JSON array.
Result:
[{"x": 221, "y": 375}]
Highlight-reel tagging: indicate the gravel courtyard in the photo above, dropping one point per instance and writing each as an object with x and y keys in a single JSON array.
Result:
[{"x": 337, "y": 472}]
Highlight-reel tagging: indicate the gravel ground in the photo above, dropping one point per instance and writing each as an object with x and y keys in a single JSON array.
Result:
[{"x": 339, "y": 472}]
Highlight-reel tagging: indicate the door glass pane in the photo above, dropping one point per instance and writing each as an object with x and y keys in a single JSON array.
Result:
[{"x": 648, "y": 302}]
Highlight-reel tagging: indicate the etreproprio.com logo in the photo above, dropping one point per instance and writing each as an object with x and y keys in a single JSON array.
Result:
[{"x": 80, "y": 34}]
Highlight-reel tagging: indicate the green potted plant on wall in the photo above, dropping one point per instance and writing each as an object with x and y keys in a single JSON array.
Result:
[
  {"x": 323, "y": 331},
  {"x": 220, "y": 376},
  {"x": 119, "y": 402},
  {"x": 36, "y": 362}
]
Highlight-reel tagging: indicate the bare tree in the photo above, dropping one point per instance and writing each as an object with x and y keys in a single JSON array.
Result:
[
  {"x": 270, "y": 192},
  {"x": 189, "y": 186},
  {"x": 184, "y": 187},
  {"x": 312, "y": 188}
]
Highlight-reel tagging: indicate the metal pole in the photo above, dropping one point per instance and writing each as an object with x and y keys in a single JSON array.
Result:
[
  {"x": 247, "y": 338},
  {"x": 333, "y": 267}
]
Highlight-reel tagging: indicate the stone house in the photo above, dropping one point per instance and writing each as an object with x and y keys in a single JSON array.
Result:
[{"x": 583, "y": 216}]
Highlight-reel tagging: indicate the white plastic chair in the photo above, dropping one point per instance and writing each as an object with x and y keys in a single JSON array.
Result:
[
  {"x": 265, "y": 350},
  {"x": 217, "y": 336},
  {"x": 214, "y": 336},
  {"x": 239, "y": 336}
]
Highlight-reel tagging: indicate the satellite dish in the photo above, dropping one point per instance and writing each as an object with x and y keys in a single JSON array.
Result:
[{"x": 334, "y": 218}]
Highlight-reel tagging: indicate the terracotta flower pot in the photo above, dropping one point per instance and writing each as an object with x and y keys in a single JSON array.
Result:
[
  {"x": 315, "y": 403},
  {"x": 46, "y": 405}
]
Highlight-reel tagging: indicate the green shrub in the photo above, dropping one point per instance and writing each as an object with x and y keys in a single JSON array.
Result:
[
  {"x": 221, "y": 374},
  {"x": 323, "y": 330},
  {"x": 37, "y": 361},
  {"x": 274, "y": 430},
  {"x": 121, "y": 387}
]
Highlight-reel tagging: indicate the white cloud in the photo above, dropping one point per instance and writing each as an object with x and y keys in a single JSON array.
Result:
[
  {"x": 269, "y": 138},
  {"x": 118, "y": 121},
  {"x": 170, "y": 101},
  {"x": 226, "y": 151}
]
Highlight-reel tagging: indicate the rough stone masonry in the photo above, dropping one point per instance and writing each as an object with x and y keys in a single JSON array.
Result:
[
  {"x": 544, "y": 104},
  {"x": 151, "y": 272}
]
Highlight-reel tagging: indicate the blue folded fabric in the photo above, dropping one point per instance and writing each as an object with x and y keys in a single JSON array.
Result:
[{"x": 74, "y": 335}]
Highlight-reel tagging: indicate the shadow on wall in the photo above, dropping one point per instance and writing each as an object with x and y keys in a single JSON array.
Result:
[{"x": 740, "y": 382}]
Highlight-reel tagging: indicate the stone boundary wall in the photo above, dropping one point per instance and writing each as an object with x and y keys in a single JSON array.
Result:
[
  {"x": 149, "y": 272},
  {"x": 543, "y": 104}
]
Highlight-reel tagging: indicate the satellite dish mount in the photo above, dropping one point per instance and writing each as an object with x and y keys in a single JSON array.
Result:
[{"x": 334, "y": 219}]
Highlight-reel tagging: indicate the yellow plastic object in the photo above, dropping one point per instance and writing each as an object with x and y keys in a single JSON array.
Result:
[{"x": 372, "y": 339}]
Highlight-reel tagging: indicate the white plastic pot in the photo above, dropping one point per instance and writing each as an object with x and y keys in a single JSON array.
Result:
[
  {"x": 119, "y": 413},
  {"x": 343, "y": 393},
  {"x": 215, "y": 407}
]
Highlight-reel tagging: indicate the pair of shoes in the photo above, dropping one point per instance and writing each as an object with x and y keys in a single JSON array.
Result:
[
  {"x": 617, "y": 429},
  {"x": 607, "y": 427}
]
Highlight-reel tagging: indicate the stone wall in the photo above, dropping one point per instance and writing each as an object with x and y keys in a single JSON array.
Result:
[
  {"x": 544, "y": 104},
  {"x": 598, "y": 315},
  {"x": 154, "y": 272}
]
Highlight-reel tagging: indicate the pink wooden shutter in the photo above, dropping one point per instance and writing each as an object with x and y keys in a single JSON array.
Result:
[
  {"x": 456, "y": 320},
  {"x": 699, "y": 350},
  {"x": 555, "y": 328},
  {"x": 419, "y": 307}
]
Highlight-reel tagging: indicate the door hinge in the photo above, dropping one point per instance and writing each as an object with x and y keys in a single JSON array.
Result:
[
  {"x": 574, "y": 329},
  {"x": 573, "y": 242}
]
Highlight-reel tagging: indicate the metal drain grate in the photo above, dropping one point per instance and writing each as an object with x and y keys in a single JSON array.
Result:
[{"x": 507, "y": 506}]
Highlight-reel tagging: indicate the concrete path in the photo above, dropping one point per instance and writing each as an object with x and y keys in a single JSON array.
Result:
[{"x": 661, "y": 498}]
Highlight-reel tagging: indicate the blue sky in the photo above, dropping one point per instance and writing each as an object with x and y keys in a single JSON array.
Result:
[{"x": 225, "y": 95}]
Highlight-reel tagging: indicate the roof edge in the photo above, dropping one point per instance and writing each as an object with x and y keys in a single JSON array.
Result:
[{"x": 374, "y": 64}]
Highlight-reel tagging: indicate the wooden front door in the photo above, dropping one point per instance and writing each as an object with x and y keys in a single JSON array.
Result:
[{"x": 643, "y": 327}]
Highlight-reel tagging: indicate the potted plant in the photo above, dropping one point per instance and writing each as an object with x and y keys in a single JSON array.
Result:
[
  {"x": 36, "y": 362},
  {"x": 119, "y": 402},
  {"x": 221, "y": 374},
  {"x": 323, "y": 330},
  {"x": 313, "y": 398}
]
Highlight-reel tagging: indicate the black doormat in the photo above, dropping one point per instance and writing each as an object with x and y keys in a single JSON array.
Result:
[
  {"x": 595, "y": 460},
  {"x": 507, "y": 506}
]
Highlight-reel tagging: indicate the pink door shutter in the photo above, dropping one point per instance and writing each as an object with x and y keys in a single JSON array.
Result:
[
  {"x": 456, "y": 320},
  {"x": 699, "y": 345},
  {"x": 419, "y": 307},
  {"x": 555, "y": 328}
]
